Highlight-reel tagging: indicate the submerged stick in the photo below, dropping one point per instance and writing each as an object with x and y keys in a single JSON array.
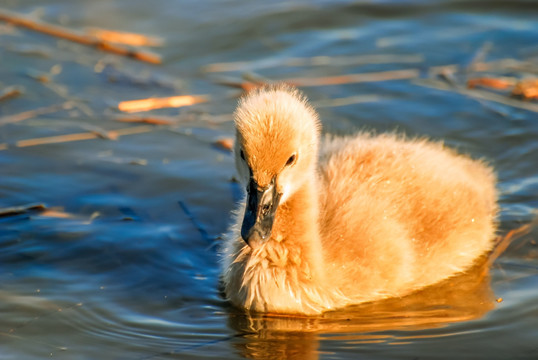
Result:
[
  {"x": 72, "y": 35},
  {"x": 195, "y": 222}
]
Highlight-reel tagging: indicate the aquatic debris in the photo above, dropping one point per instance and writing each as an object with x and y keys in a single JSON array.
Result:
[
  {"x": 57, "y": 212},
  {"x": 58, "y": 139},
  {"x": 338, "y": 61},
  {"x": 225, "y": 144},
  {"x": 127, "y": 38},
  {"x": 129, "y": 214},
  {"x": 405, "y": 74},
  {"x": 10, "y": 92},
  {"x": 345, "y": 101},
  {"x": 22, "y": 209},
  {"x": 477, "y": 94},
  {"x": 524, "y": 89},
  {"x": 38, "y": 75},
  {"x": 495, "y": 83},
  {"x": 35, "y": 112},
  {"x": 244, "y": 85},
  {"x": 330, "y": 80},
  {"x": 75, "y": 36},
  {"x": 502, "y": 242},
  {"x": 528, "y": 89},
  {"x": 159, "y": 103},
  {"x": 139, "y": 162},
  {"x": 153, "y": 120},
  {"x": 45, "y": 77},
  {"x": 118, "y": 74},
  {"x": 354, "y": 78}
]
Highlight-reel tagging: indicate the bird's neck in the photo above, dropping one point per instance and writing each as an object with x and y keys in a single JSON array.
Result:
[
  {"x": 287, "y": 272},
  {"x": 296, "y": 230}
]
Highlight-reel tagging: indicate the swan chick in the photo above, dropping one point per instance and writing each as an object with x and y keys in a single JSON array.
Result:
[{"x": 344, "y": 220}]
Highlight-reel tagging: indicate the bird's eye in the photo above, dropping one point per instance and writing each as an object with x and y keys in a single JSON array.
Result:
[
  {"x": 291, "y": 160},
  {"x": 242, "y": 154}
]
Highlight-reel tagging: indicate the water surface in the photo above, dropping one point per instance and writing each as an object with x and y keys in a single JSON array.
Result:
[{"x": 127, "y": 268}]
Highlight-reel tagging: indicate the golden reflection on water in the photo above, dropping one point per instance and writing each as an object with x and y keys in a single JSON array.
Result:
[{"x": 462, "y": 298}]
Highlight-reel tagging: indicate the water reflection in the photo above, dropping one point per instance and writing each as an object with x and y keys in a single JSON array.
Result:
[{"x": 462, "y": 298}]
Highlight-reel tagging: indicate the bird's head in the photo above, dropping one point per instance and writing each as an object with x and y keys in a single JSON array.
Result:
[{"x": 276, "y": 151}]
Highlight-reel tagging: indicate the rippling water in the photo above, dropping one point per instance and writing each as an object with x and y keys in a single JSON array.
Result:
[{"x": 126, "y": 265}]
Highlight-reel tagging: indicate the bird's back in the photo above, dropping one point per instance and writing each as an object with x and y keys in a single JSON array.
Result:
[{"x": 399, "y": 214}]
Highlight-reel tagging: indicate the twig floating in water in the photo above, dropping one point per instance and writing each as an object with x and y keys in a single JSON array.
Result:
[
  {"x": 16, "y": 210},
  {"x": 72, "y": 35},
  {"x": 478, "y": 94},
  {"x": 159, "y": 103},
  {"x": 131, "y": 130},
  {"x": 56, "y": 213},
  {"x": 127, "y": 38},
  {"x": 59, "y": 139},
  {"x": 355, "y": 78},
  {"x": 10, "y": 92},
  {"x": 314, "y": 61},
  {"x": 240, "y": 84},
  {"x": 34, "y": 113},
  {"x": 528, "y": 89},
  {"x": 502, "y": 242},
  {"x": 153, "y": 120},
  {"x": 331, "y": 80},
  {"x": 225, "y": 144},
  {"x": 495, "y": 83},
  {"x": 350, "y": 100}
]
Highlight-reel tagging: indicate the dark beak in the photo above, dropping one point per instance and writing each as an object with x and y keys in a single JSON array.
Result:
[{"x": 260, "y": 212}]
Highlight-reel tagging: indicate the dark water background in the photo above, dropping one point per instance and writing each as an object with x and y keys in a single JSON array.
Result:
[{"x": 126, "y": 268}]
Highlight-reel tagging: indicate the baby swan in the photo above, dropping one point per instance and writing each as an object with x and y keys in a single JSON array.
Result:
[{"x": 347, "y": 220}]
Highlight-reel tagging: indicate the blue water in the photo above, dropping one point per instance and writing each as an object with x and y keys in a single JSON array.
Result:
[{"x": 127, "y": 267}]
